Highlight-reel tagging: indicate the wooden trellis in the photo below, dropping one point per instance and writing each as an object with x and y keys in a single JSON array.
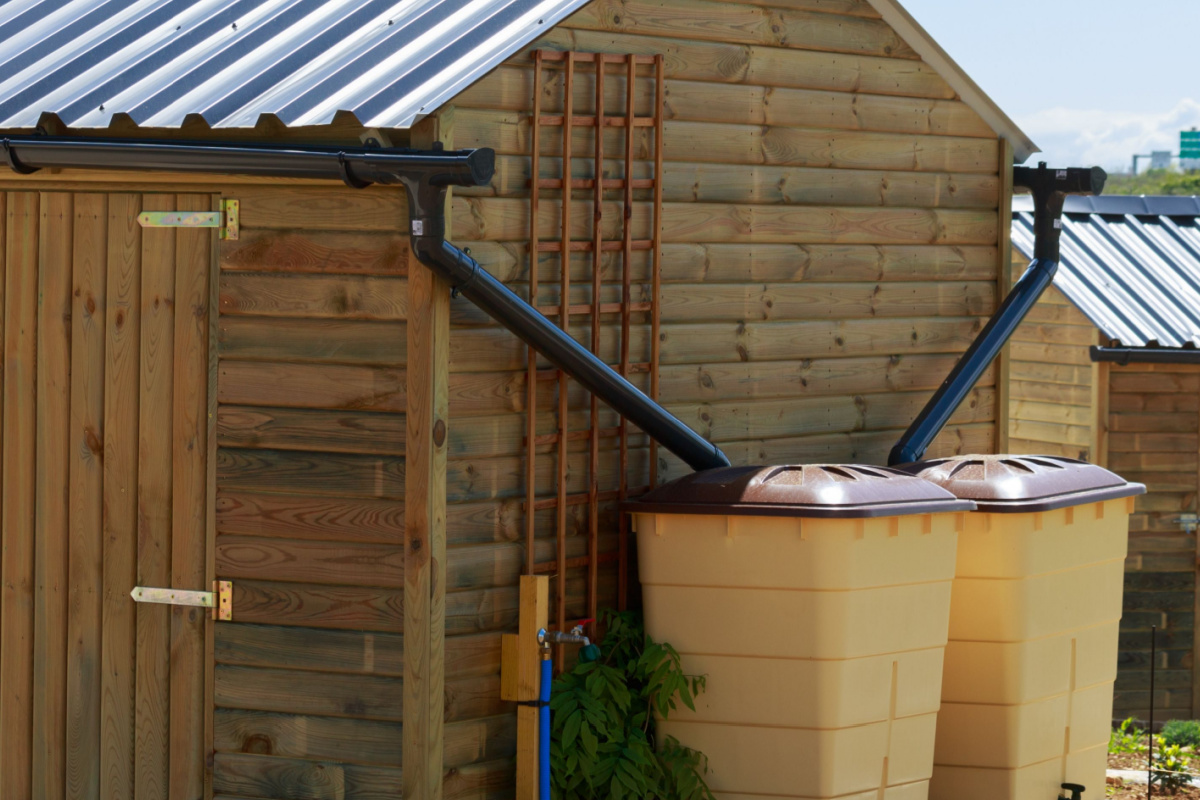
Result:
[{"x": 568, "y": 189}]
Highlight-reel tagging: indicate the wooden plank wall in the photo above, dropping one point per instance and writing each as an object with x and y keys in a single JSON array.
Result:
[
  {"x": 830, "y": 226},
  {"x": 310, "y": 515},
  {"x": 1154, "y": 416},
  {"x": 104, "y": 465},
  {"x": 1052, "y": 406}
]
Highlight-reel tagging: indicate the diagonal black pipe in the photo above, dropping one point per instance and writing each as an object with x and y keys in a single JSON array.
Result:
[
  {"x": 426, "y": 175},
  {"x": 1050, "y": 189}
]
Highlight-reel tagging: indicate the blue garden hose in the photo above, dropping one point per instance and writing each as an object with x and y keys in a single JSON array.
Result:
[{"x": 544, "y": 728}]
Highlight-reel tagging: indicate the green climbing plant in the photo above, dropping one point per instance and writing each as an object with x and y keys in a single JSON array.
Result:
[{"x": 602, "y": 738}]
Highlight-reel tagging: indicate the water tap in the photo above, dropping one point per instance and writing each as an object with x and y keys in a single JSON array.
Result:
[{"x": 547, "y": 638}]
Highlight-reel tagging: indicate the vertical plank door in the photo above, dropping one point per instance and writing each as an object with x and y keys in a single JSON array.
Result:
[{"x": 104, "y": 447}]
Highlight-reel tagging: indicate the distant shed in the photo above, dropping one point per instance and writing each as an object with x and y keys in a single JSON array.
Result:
[
  {"x": 808, "y": 201},
  {"x": 1107, "y": 368}
]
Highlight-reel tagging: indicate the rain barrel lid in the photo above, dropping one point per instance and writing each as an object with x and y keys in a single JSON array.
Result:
[
  {"x": 807, "y": 490},
  {"x": 1020, "y": 484}
]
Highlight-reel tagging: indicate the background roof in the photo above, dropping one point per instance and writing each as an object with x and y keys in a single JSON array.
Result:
[
  {"x": 387, "y": 62},
  {"x": 1131, "y": 264}
]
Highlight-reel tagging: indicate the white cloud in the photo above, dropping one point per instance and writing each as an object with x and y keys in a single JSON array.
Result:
[{"x": 1076, "y": 137}]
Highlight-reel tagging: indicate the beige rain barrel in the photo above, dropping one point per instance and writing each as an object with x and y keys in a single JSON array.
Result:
[
  {"x": 1028, "y": 684},
  {"x": 816, "y": 600}
]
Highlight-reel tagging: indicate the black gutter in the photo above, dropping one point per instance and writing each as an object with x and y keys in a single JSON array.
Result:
[
  {"x": 1050, "y": 189},
  {"x": 426, "y": 175},
  {"x": 1145, "y": 355}
]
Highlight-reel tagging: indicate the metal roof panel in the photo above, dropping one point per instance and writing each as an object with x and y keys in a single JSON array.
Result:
[
  {"x": 386, "y": 62},
  {"x": 1130, "y": 264}
]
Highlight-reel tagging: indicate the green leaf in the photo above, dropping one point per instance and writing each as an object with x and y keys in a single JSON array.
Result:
[
  {"x": 603, "y": 731},
  {"x": 588, "y": 740},
  {"x": 571, "y": 729}
]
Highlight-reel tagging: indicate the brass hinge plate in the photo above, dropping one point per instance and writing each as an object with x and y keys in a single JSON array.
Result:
[
  {"x": 227, "y": 220},
  {"x": 233, "y": 219},
  {"x": 220, "y": 599}
]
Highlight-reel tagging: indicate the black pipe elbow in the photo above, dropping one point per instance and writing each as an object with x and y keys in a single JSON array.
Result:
[{"x": 1050, "y": 188}]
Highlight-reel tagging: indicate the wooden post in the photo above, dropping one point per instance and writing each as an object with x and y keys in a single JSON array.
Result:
[
  {"x": 1196, "y": 587},
  {"x": 1003, "y": 276},
  {"x": 526, "y": 661},
  {"x": 425, "y": 510},
  {"x": 1100, "y": 377}
]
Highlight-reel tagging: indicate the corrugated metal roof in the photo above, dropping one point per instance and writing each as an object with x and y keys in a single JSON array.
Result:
[
  {"x": 1131, "y": 264},
  {"x": 233, "y": 61}
]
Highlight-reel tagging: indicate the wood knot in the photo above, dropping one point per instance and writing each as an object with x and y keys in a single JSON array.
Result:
[
  {"x": 259, "y": 744},
  {"x": 415, "y": 545},
  {"x": 439, "y": 433},
  {"x": 92, "y": 442},
  {"x": 120, "y": 320}
]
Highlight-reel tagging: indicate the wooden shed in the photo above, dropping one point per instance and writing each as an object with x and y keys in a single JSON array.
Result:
[
  {"x": 784, "y": 220},
  {"x": 1106, "y": 368}
]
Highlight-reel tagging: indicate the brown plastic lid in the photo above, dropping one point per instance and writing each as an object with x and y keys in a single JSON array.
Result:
[
  {"x": 810, "y": 490},
  {"x": 1019, "y": 484}
]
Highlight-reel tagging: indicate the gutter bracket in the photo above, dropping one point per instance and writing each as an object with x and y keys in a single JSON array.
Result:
[{"x": 348, "y": 177}]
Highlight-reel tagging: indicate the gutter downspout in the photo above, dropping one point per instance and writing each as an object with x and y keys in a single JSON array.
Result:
[
  {"x": 1050, "y": 189},
  {"x": 426, "y": 175},
  {"x": 472, "y": 281}
]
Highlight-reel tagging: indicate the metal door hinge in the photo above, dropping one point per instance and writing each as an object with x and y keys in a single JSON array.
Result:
[
  {"x": 220, "y": 599},
  {"x": 227, "y": 220},
  {"x": 1189, "y": 522}
]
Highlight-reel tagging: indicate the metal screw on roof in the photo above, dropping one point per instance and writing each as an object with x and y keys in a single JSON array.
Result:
[
  {"x": 389, "y": 22},
  {"x": 102, "y": 106},
  {"x": 235, "y": 26}
]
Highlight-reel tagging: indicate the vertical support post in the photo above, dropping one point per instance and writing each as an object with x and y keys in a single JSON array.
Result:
[
  {"x": 531, "y": 382},
  {"x": 593, "y": 534},
  {"x": 564, "y": 317},
  {"x": 425, "y": 510},
  {"x": 1150, "y": 749},
  {"x": 1102, "y": 377},
  {"x": 1196, "y": 571},
  {"x": 210, "y": 537},
  {"x": 534, "y": 616},
  {"x": 626, "y": 279},
  {"x": 1003, "y": 282},
  {"x": 656, "y": 251}
]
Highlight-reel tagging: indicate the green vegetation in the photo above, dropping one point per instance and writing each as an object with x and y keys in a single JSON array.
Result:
[
  {"x": 1127, "y": 738},
  {"x": 1155, "y": 181},
  {"x": 1170, "y": 768},
  {"x": 1183, "y": 732},
  {"x": 1174, "y": 750},
  {"x": 602, "y": 730}
]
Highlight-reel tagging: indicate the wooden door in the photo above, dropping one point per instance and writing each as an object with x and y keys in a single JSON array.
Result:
[{"x": 104, "y": 451}]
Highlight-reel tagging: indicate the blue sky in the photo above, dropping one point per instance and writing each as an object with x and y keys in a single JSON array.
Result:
[{"x": 1091, "y": 81}]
